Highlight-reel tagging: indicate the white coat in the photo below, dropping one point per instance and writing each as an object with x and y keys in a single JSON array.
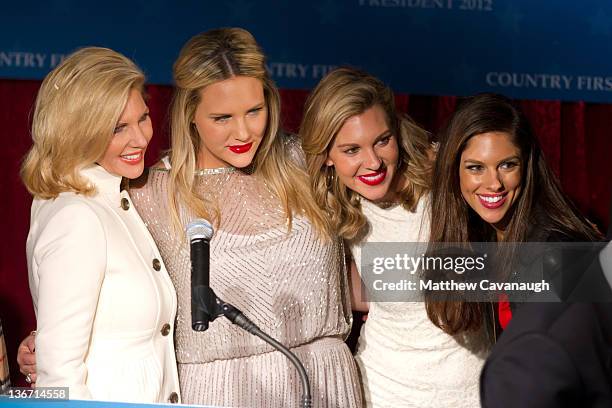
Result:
[{"x": 105, "y": 305}]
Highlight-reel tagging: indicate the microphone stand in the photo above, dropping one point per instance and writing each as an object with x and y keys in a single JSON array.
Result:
[{"x": 215, "y": 307}]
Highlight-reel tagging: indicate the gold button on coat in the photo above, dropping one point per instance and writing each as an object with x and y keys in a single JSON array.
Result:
[
  {"x": 173, "y": 398},
  {"x": 156, "y": 264},
  {"x": 125, "y": 203},
  {"x": 165, "y": 329}
]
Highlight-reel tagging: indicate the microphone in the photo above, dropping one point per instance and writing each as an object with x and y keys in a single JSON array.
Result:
[{"x": 203, "y": 300}]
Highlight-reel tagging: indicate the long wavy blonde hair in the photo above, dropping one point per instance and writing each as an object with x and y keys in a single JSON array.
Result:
[
  {"x": 77, "y": 108},
  {"x": 207, "y": 58},
  {"x": 342, "y": 94}
]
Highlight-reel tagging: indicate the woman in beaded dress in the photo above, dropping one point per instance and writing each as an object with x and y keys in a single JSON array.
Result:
[
  {"x": 369, "y": 168},
  {"x": 270, "y": 256},
  {"x": 230, "y": 164}
]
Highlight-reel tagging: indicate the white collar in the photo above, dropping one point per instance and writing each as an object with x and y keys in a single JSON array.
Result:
[{"x": 105, "y": 182}]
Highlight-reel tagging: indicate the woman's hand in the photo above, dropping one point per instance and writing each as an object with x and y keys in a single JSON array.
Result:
[{"x": 26, "y": 358}]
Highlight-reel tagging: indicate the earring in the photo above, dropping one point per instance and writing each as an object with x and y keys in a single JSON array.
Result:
[{"x": 330, "y": 177}]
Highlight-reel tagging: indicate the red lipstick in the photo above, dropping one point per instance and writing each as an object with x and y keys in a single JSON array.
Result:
[
  {"x": 373, "y": 179},
  {"x": 239, "y": 149}
]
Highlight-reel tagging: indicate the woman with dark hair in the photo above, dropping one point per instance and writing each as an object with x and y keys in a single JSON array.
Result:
[{"x": 491, "y": 183}]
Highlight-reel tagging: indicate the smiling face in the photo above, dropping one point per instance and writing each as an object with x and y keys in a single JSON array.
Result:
[
  {"x": 231, "y": 120},
  {"x": 365, "y": 155},
  {"x": 125, "y": 153},
  {"x": 490, "y": 176}
]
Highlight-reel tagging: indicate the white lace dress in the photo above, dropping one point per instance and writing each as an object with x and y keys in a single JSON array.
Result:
[{"x": 404, "y": 360}]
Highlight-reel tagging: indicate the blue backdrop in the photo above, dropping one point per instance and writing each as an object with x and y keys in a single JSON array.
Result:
[{"x": 555, "y": 49}]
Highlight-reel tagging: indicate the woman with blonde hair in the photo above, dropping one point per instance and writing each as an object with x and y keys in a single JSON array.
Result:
[
  {"x": 230, "y": 164},
  {"x": 370, "y": 168},
  {"x": 104, "y": 302},
  {"x": 270, "y": 255}
]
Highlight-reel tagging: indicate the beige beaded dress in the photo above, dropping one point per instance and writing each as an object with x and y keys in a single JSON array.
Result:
[{"x": 291, "y": 284}]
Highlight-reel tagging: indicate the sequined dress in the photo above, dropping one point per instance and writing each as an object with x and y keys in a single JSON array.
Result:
[{"x": 291, "y": 284}]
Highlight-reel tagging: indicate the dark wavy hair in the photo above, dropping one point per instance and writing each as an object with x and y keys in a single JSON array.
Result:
[{"x": 540, "y": 202}]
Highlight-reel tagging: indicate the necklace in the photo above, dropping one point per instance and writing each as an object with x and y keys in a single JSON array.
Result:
[
  {"x": 383, "y": 204},
  {"x": 386, "y": 204},
  {"x": 218, "y": 170}
]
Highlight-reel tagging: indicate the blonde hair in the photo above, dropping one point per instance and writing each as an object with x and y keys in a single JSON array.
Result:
[
  {"x": 77, "y": 108},
  {"x": 342, "y": 94},
  {"x": 207, "y": 58}
]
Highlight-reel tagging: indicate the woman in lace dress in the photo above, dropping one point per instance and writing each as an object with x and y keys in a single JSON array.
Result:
[
  {"x": 231, "y": 165},
  {"x": 370, "y": 169}
]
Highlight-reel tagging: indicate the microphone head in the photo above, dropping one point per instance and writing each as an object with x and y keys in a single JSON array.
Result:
[{"x": 199, "y": 229}]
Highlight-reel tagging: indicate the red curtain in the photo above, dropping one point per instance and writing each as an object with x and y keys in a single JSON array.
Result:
[{"x": 575, "y": 137}]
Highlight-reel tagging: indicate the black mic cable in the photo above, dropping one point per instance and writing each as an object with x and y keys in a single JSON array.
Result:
[{"x": 239, "y": 319}]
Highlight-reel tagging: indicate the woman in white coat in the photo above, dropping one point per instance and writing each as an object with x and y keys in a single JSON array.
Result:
[{"x": 105, "y": 305}]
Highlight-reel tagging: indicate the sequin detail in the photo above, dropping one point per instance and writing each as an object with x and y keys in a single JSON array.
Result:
[
  {"x": 290, "y": 283},
  {"x": 219, "y": 170}
]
